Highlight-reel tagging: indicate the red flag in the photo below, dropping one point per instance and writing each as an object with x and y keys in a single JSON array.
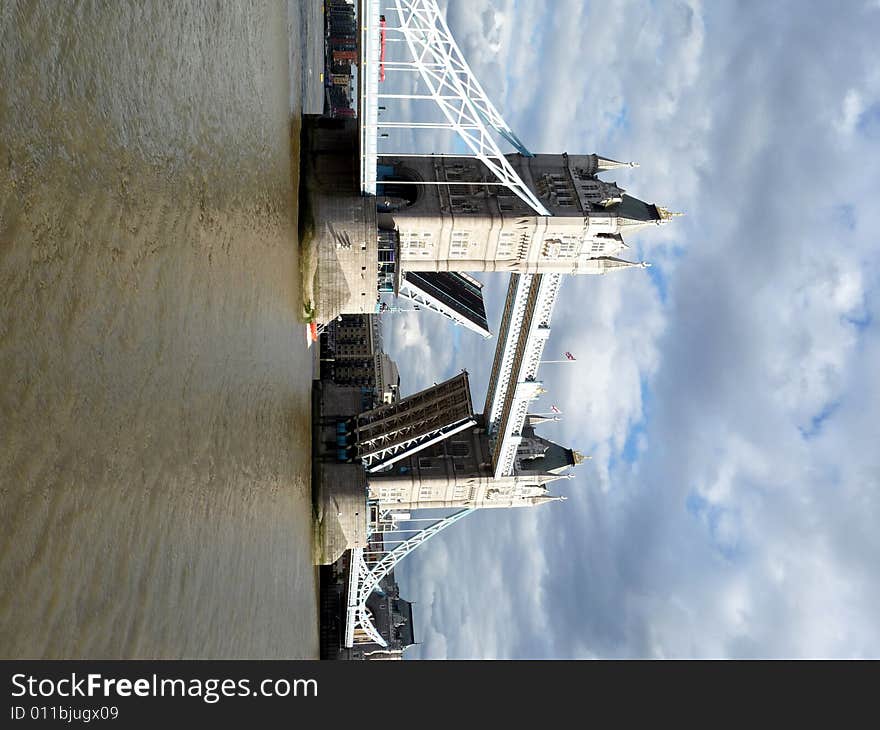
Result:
[
  {"x": 555, "y": 409},
  {"x": 570, "y": 356}
]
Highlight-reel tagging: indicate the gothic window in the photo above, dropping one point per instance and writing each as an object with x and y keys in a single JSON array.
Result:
[
  {"x": 462, "y": 204},
  {"x": 569, "y": 247},
  {"x": 459, "y": 448},
  {"x": 590, "y": 190},
  {"x": 415, "y": 244},
  {"x": 552, "y": 186},
  {"x": 543, "y": 187},
  {"x": 458, "y": 248},
  {"x": 457, "y": 171},
  {"x": 505, "y": 245},
  {"x": 562, "y": 247}
]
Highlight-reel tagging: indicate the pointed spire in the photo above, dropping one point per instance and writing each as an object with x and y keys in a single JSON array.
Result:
[
  {"x": 533, "y": 419},
  {"x": 666, "y": 215},
  {"x": 604, "y": 163},
  {"x": 604, "y": 264},
  {"x": 544, "y": 499},
  {"x": 542, "y": 479}
]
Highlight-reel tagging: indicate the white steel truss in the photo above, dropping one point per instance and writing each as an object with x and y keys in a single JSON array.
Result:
[
  {"x": 407, "y": 290},
  {"x": 368, "y": 101},
  {"x": 381, "y": 452},
  {"x": 516, "y": 310},
  {"x": 451, "y": 84},
  {"x": 393, "y": 431},
  {"x": 365, "y": 573},
  {"x": 531, "y": 299}
]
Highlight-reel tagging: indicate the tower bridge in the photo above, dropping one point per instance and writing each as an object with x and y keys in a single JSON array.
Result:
[
  {"x": 439, "y": 218},
  {"x": 430, "y": 451}
]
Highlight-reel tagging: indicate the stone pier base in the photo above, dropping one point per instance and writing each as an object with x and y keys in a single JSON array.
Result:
[
  {"x": 339, "y": 489},
  {"x": 338, "y": 227}
]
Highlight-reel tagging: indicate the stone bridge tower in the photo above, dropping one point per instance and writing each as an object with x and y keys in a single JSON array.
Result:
[
  {"x": 429, "y": 450},
  {"x": 451, "y": 215},
  {"x": 458, "y": 472}
]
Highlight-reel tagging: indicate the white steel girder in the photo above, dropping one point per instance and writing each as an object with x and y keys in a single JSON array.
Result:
[
  {"x": 517, "y": 384},
  {"x": 456, "y": 91},
  {"x": 379, "y": 456},
  {"x": 426, "y": 301},
  {"x": 363, "y": 578},
  {"x": 506, "y": 376}
]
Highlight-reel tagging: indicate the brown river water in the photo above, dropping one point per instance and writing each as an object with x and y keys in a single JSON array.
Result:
[{"x": 154, "y": 375}]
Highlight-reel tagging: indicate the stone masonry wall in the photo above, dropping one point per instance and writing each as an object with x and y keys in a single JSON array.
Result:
[{"x": 342, "y": 246}]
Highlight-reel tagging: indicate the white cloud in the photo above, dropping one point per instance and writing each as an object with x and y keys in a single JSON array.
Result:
[
  {"x": 743, "y": 524},
  {"x": 853, "y": 106}
]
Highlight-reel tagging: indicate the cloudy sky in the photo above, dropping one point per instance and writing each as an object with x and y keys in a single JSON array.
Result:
[{"x": 730, "y": 394}]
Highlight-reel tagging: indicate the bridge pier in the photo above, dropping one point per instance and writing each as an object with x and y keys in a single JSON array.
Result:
[
  {"x": 337, "y": 224},
  {"x": 339, "y": 489}
]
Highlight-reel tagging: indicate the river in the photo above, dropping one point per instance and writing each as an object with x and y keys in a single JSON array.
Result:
[{"x": 154, "y": 374}]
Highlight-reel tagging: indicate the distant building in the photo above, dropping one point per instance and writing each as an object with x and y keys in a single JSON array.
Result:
[
  {"x": 352, "y": 355},
  {"x": 387, "y": 379},
  {"x": 349, "y": 350},
  {"x": 393, "y": 619},
  {"x": 392, "y": 616},
  {"x": 341, "y": 49}
]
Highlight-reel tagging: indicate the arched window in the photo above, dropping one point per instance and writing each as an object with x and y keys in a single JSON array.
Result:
[{"x": 391, "y": 196}]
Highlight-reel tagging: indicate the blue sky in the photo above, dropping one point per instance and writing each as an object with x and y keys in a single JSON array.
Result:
[{"x": 728, "y": 395}]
